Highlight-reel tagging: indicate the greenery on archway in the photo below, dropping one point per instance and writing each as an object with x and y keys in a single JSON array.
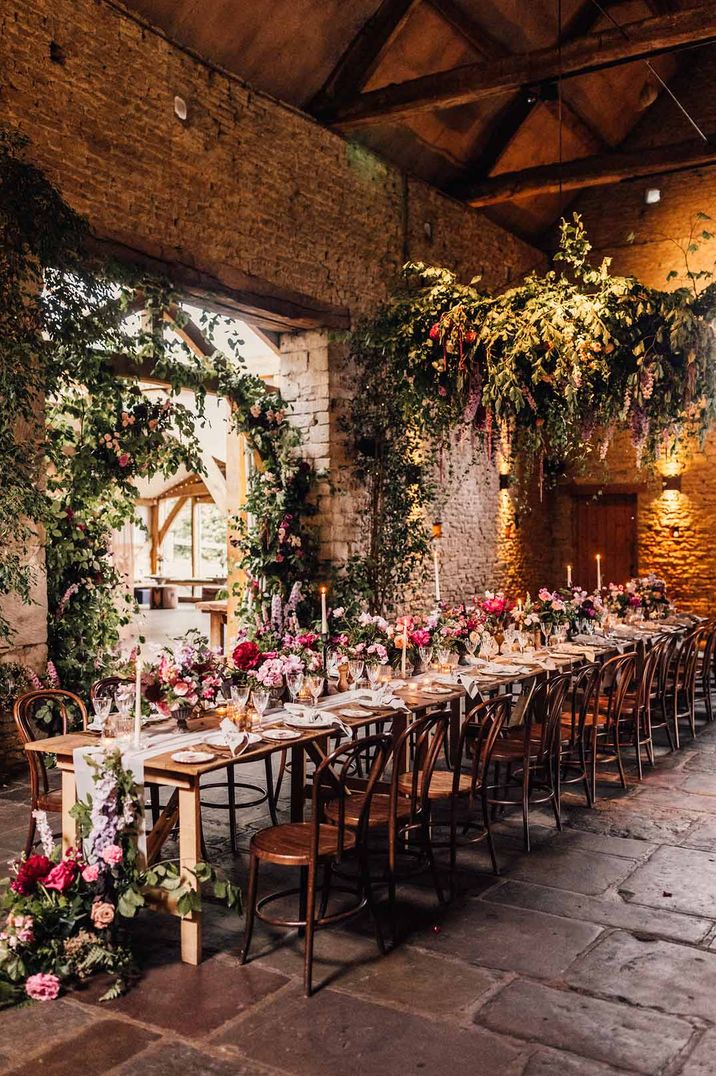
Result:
[
  {"x": 543, "y": 373},
  {"x": 63, "y": 325}
]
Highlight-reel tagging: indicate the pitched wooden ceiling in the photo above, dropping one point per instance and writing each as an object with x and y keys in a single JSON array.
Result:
[{"x": 478, "y": 99}]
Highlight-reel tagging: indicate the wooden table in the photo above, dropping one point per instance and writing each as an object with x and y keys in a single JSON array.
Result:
[
  {"x": 184, "y": 808},
  {"x": 218, "y": 616}
]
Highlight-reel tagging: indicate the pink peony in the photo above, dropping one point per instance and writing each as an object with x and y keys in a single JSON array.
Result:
[
  {"x": 182, "y": 687},
  {"x": 62, "y": 876},
  {"x": 91, "y": 873},
  {"x": 42, "y": 987},
  {"x": 112, "y": 854}
]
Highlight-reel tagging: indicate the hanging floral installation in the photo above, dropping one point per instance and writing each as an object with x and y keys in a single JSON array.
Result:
[{"x": 544, "y": 374}]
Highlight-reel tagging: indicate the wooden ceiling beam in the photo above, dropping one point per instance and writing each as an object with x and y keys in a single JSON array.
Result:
[
  {"x": 491, "y": 78},
  {"x": 362, "y": 56},
  {"x": 597, "y": 171}
]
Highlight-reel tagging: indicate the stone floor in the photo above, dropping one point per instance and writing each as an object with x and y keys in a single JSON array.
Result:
[{"x": 593, "y": 955}]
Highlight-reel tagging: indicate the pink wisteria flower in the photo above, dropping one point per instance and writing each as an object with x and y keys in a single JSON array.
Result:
[
  {"x": 42, "y": 987},
  {"x": 112, "y": 855}
]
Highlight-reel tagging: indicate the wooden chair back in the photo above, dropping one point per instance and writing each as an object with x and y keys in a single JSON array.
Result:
[
  {"x": 479, "y": 733},
  {"x": 106, "y": 686},
  {"x": 421, "y": 741},
  {"x": 331, "y": 782},
  {"x": 56, "y": 722}
]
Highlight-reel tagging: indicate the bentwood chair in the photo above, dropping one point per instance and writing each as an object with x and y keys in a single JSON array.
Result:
[
  {"x": 602, "y": 738},
  {"x": 106, "y": 686},
  {"x": 531, "y": 754},
  {"x": 681, "y": 684},
  {"x": 636, "y": 709},
  {"x": 38, "y": 715},
  {"x": 308, "y": 845},
  {"x": 705, "y": 673},
  {"x": 575, "y": 715}
]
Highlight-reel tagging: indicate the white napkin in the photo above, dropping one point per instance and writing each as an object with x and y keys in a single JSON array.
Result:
[
  {"x": 231, "y": 736},
  {"x": 314, "y": 713}
]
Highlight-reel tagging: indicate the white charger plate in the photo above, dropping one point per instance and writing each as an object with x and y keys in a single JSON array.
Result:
[
  {"x": 280, "y": 734},
  {"x": 192, "y": 758},
  {"x": 304, "y": 721},
  {"x": 351, "y": 711}
]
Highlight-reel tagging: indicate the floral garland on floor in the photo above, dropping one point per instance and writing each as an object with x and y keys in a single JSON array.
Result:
[
  {"x": 67, "y": 914},
  {"x": 542, "y": 375}
]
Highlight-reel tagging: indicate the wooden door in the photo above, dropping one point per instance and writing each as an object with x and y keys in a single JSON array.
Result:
[{"x": 605, "y": 525}]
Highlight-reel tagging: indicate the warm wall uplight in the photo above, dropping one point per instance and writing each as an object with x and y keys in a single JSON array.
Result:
[
  {"x": 671, "y": 482},
  {"x": 505, "y": 481}
]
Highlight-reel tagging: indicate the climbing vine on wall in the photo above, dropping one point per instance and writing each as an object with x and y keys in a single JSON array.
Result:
[
  {"x": 544, "y": 373},
  {"x": 71, "y": 471}
]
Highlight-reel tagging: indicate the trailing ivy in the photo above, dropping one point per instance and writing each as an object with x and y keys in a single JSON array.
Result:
[{"x": 64, "y": 323}]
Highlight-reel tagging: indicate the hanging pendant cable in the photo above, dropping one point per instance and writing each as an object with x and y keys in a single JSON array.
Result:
[{"x": 648, "y": 64}]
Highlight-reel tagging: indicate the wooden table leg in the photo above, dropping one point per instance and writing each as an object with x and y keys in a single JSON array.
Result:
[
  {"x": 69, "y": 798},
  {"x": 298, "y": 782},
  {"x": 189, "y": 856},
  {"x": 457, "y": 712}
]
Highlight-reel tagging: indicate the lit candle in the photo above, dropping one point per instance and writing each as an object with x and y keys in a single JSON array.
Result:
[
  {"x": 569, "y": 575},
  {"x": 519, "y": 605},
  {"x": 404, "y": 654},
  {"x": 599, "y": 571},
  {"x": 436, "y": 563},
  {"x": 324, "y": 615},
  {"x": 138, "y": 695}
]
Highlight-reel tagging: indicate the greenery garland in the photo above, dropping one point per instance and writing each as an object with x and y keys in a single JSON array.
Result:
[
  {"x": 545, "y": 372},
  {"x": 65, "y": 320}
]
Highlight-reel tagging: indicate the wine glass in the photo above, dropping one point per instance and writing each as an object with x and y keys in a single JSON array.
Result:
[
  {"x": 443, "y": 655},
  {"x": 294, "y": 683},
  {"x": 102, "y": 707},
  {"x": 333, "y": 666},
  {"x": 425, "y": 653},
  {"x": 314, "y": 683},
  {"x": 124, "y": 699},
  {"x": 260, "y": 698},
  {"x": 240, "y": 696},
  {"x": 372, "y": 670},
  {"x": 355, "y": 668},
  {"x": 471, "y": 642}
]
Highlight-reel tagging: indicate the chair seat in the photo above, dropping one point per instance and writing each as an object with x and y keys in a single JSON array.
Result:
[
  {"x": 290, "y": 843},
  {"x": 441, "y": 784},
  {"x": 379, "y": 810}
]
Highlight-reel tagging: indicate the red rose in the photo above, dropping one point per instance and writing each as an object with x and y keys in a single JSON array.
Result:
[
  {"x": 470, "y": 336},
  {"x": 62, "y": 876},
  {"x": 246, "y": 656},
  {"x": 32, "y": 871},
  {"x": 434, "y": 333}
]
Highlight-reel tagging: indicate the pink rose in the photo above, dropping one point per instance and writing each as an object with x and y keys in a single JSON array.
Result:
[
  {"x": 102, "y": 914},
  {"x": 112, "y": 854},
  {"x": 62, "y": 876},
  {"x": 182, "y": 687},
  {"x": 124, "y": 459},
  {"x": 91, "y": 873},
  {"x": 42, "y": 987}
]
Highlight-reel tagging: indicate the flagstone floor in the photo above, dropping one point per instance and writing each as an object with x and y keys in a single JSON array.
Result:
[{"x": 595, "y": 954}]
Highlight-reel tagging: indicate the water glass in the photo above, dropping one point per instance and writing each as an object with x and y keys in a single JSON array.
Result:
[
  {"x": 314, "y": 683},
  {"x": 124, "y": 698},
  {"x": 294, "y": 683},
  {"x": 260, "y": 698},
  {"x": 122, "y": 725},
  {"x": 372, "y": 670},
  {"x": 425, "y": 653},
  {"x": 240, "y": 696},
  {"x": 443, "y": 655},
  {"x": 102, "y": 707},
  {"x": 355, "y": 668}
]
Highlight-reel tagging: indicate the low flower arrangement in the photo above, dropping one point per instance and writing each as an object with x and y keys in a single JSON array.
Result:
[
  {"x": 188, "y": 676},
  {"x": 496, "y": 610},
  {"x": 66, "y": 914},
  {"x": 654, "y": 599},
  {"x": 367, "y": 637}
]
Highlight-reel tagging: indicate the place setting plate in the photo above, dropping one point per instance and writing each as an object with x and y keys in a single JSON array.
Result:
[
  {"x": 319, "y": 720},
  {"x": 193, "y": 758},
  {"x": 353, "y": 711},
  {"x": 280, "y": 735}
]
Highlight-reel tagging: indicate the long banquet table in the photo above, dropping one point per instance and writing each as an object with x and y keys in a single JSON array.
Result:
[{"x": 183, "y": 807}]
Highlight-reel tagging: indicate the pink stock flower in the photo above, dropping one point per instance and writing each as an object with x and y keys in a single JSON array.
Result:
[{"x": 42, "y": 987}]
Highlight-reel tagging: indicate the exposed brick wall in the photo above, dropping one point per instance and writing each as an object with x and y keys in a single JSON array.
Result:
[
  {"x": 257, "y": 198},
  {"x": 612, "y": 215}
]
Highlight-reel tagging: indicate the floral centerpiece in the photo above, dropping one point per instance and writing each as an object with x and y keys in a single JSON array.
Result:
[
  {"x": 622, "y": 599},
  {"x": 188, "y": 676},
  {"x": 654, "y": 599},
  {"x": 585, "y": 609},
  {"x": 496, "y": 610},
  {"x": 553, "y": 610},
  {"x": 367, "y": 637},
  {"x": 66, "y": 913}
]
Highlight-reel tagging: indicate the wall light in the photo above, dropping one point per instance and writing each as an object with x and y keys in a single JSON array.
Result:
[
  {"x": 652, "y": 196},
  {"x": 676, "y": 532},
  {"x": 671, "y": 481},
  {"x": 180, "y": 109}
]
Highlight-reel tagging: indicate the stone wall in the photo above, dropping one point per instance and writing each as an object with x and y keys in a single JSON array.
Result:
[{"x": 674, "y": 529}]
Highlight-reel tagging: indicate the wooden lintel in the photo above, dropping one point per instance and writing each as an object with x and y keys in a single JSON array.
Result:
[
  {"x": 596, "y": 171},
  {"x": 491, "y": 78}
]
